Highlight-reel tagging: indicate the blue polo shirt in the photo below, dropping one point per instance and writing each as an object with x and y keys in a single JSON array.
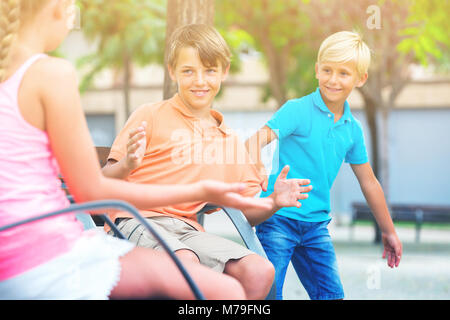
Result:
[{"x": 314, "y": 147}]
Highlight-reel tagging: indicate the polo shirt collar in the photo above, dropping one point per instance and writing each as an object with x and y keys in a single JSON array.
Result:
[
  {"x": 318, "y": 102},
  {"x": 179, "y": 105},
  {"x": 347, "y": 113}
]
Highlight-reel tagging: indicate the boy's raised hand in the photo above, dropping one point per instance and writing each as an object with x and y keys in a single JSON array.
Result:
[
  {"x": 136, "y": 146},
  {"x": 288, "y": 192}
]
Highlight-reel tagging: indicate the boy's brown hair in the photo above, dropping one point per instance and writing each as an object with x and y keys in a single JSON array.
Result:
[{"x": 208, "y": 42}]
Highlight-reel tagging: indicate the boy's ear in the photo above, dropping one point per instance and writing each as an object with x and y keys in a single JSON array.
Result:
[
  {"x": 59, "y": 7},
  {"x": 225, "y": 72},
  {"x": 362, "y": 80},
  {"x": 171, "y": 73},
  {"x": 317, "y": 70}
]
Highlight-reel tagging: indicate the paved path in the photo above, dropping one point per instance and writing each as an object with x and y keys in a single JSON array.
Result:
[{"x": 424, "y": 272}]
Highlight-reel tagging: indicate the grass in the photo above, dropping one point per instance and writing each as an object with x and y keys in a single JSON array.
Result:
[{"x": 406, "y": 224}]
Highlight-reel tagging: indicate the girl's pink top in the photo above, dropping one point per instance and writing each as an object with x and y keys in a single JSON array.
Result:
[{"x": 29, "y": 185}]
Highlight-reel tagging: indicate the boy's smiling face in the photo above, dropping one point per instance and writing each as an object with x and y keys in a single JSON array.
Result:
[
  {"x": 198, "y": 84},
  {"x": 337, "y": 80}
]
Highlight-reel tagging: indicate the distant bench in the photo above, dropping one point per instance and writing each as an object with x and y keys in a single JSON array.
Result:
[{"x": 408, "y": 213}]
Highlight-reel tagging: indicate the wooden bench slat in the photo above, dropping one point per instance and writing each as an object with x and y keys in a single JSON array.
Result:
[{"x": 409, "y": 213}]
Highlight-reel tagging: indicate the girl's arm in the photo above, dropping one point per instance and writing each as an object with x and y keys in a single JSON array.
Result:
[
  {"x": 74, "y": 150},
  {"x": 255, "y": 144},
  {"x": 374, "y": 195}
]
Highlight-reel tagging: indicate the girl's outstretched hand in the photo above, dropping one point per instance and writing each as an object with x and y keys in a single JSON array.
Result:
[{"x": 228, "y": 195}]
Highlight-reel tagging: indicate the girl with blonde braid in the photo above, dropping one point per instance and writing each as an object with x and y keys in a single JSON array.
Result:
[{"x": 43, "y": 132}]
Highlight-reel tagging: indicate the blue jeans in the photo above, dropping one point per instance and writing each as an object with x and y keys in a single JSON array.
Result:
[{"x": 308, "y": 245}]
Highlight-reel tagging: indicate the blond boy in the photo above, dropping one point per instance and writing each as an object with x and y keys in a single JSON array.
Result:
[
  {"x": 183, "y": 139},
  {"x": 316, "y": 134}
]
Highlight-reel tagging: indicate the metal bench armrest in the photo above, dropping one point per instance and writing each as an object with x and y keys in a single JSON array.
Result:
[{"x": 247, "y": 234}]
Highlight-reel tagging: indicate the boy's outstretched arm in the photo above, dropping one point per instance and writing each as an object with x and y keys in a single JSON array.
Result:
[
  {"x": 374, "y": 195},
  {"x": 255, "y": 144}
]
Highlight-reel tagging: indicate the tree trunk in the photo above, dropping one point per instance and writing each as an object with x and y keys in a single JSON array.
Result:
[
  {"x": 276, "y": 63},
  {"x": 126, "y": 83},
  {"x": 277, "y": 74},
  {"x": 371, "y": 117},
  {"x": 179, "y": 13},
  {"x": 384, "y": 156}
]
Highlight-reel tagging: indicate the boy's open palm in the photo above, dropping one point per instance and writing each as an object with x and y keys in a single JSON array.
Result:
[
  {"x": 136, "y": 146},
  {"x": 287, "y": 192}
]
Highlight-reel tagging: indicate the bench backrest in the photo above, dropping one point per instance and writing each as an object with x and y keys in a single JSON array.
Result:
[
  {"x": 403, "y": 212},
  {"x": 103, "y": 153}
]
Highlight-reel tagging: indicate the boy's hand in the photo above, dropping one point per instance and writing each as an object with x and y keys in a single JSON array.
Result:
[
  {"x": 136, "y": 146},
  {"x": 287, "y": 192},
  {"x": 392, "y": 249},
  {"x": 227, "y": 194}
]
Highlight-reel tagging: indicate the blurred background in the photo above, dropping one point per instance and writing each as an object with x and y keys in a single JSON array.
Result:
[{"x": 118, "y": 48}]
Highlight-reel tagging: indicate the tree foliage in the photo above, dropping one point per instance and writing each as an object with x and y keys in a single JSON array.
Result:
[
  {"x": 126, "y": 32},
  {"x": 428, "y": 32},
  {"x": 126, "y": 28},
  {"x": 288, "y": 33},
  {"x": 278, "y": 29}
]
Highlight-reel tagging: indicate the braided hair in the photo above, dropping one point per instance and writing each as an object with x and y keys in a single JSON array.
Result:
[
  {"x": 12, "y": 15},
  {"x": 9, "y": 25}
]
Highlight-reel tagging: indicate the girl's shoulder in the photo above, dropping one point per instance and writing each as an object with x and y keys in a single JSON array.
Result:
[
  {"x": 53, "y": 67},
  {"x": 51, "y": 73}
]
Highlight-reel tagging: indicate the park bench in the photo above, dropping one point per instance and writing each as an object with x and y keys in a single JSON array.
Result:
[
  {"x": 238, "y": 219},
  {"x": 416, "y": 213}
]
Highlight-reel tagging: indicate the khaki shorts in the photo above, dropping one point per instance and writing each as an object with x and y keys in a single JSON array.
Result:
[{"x": 212, "y": 251}]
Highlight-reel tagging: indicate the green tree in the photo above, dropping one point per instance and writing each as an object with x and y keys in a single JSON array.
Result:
[
  {"x": 127, "y": 32},
  {"x": 280, "y": 30},
  {"x": 428, "y": 32}
]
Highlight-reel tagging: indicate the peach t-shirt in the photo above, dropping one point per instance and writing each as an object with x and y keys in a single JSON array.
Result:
[{"x": 181, "y": 149}]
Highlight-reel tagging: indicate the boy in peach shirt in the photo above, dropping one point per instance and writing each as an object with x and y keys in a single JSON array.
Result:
[{"x": 184, "y": 140}]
